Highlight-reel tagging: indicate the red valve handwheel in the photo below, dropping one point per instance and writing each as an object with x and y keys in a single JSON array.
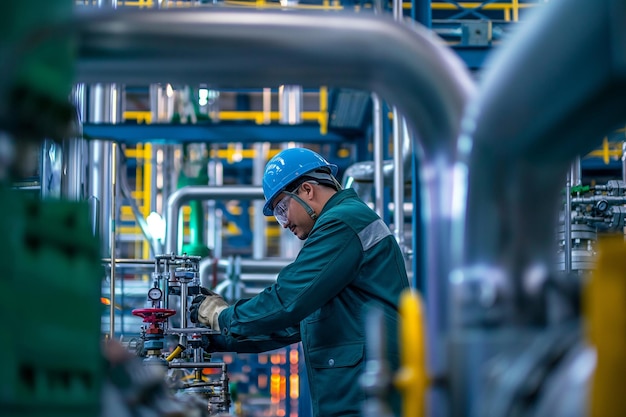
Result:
[{"x": 154, "y": 315}]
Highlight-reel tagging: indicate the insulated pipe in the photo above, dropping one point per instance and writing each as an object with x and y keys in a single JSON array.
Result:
[
  {"x": 528, "y": 124},
  {"x": 193, "y": 192}
]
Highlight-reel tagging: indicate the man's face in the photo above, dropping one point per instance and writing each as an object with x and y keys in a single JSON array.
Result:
[{"x": 291, "y": 214}]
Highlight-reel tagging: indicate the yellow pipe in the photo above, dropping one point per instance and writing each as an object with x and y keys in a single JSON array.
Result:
[
  {"x": 175, "y": 353},
  {"x": 259, "y": 117},
  {"x": 605, "y": 149},
  {"x": 605, "y": 307},
  {"x": 479, "y": 5},
  {"x": 412, "y": 379}
]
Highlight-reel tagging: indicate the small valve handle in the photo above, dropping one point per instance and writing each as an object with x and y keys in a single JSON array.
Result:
[{"x": 153, "y": 315}]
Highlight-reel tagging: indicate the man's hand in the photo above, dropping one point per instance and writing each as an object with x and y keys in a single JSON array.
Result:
[{"x": 206, "y": 308}]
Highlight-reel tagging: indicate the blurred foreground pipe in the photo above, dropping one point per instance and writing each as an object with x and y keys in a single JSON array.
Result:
[{"x": 530, "y": 121}]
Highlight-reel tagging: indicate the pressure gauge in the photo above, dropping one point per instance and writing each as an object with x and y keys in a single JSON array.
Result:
[{"x": 155, "y": 294}]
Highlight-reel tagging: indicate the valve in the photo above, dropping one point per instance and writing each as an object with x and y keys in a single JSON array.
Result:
[{"x": 154, "y": 315}]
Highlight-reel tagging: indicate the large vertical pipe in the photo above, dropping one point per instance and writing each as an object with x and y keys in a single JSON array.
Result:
[
  {"x": 214, "y": 220},
  {"x": 259, "y": 242},
  {"x": 398, "y": 157},
  {"x": 290, "y": 104},
  {"x": 105, "y": 110},
  {"x": 74, "y": 171},
  {"x": 398, "y": 177},
  {"x": 100, "y": 163}
]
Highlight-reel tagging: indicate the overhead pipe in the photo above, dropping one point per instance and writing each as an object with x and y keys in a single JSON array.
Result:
[
  {"x": 403, "y": 62},
  {"x": 195, "y": 192}
]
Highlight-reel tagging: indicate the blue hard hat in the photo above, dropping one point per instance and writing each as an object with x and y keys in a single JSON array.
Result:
[{"x": 287, "y": 166}]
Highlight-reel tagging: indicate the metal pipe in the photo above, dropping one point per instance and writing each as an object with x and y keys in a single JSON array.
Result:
[
  {"x": 369, "y": 52},
  {"x": 567, "y": 224},
  {"x": 576, "y": 172},
  {"x": 504, "y": 227},
  {"x": 259, "y": 245},
  {"x": 214, "y": 222},
  {"x": 398, "y": 178},
  {"x": 377, "y": 127},
  {"x": 119, "y": 261},
  {"x": 113, "y": 239},
  {"x": 186, "y": 365},
  {"x": 508, "y": 238},
  {"x": 398, "y": 12},
  {"x": 185, "y": 194},
  {"x": 183, "y": 304},
  {"x": 74, "y": 151},
  {"x": 100, "y": 163},
  {"x": 623, "y": 161}
]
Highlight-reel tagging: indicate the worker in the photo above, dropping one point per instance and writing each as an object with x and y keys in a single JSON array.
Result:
[{"x": 350, "y": 261}]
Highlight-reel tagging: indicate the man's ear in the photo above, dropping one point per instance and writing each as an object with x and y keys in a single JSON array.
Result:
[{"x": 309, "y": 189}]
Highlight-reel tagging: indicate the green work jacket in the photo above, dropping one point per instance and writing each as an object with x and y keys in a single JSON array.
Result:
[{"x": 350, "y": 261}]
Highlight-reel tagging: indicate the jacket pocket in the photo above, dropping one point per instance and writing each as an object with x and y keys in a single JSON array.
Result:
[{"x": 336, "y": 356}]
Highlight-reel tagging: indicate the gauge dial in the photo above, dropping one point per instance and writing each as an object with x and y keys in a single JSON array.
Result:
[{"x": 155, "y": 294}]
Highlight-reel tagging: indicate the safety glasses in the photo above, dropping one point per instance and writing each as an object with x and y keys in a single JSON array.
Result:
[{"x": 281, "y": 210}]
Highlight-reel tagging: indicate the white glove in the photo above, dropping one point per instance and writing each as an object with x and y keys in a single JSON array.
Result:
[{"x": 209, "y": 310}]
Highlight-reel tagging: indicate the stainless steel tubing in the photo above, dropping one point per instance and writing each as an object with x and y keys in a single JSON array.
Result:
[
  {"x": 197, "y": 330},
  {"x": 185, "y": 194},
  {"x": 567, "y": 224},
  {"x": 377, "y": 127},
  {"x": 576, "y": 172},
  {"x": 119, "y": 261},
  {"x": 269, "y": 265},
  {"x": 399, "y": 136},
  {"x": 196, "y": 365},
  {"x": 113, "y": 211}
]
